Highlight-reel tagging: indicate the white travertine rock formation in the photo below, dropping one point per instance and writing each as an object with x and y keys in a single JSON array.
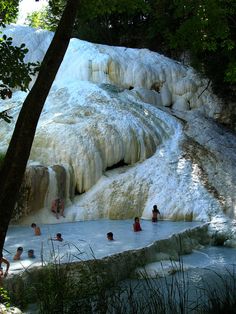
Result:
[
  {"x": 170, "y": 83},
  {"x": 144, "y": 115},
  {"x": 9, "y": 310}
]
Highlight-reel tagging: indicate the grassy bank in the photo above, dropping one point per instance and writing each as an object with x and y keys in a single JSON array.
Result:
[
  {"x": 59, "y": 291},
  {"x": 101, "y": 286}
]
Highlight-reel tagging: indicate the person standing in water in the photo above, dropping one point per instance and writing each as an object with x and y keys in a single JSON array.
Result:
[{"x": 155, "y": 213}]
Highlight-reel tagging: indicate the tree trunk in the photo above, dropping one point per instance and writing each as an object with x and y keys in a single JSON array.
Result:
[{"x": 18, "y": 152}]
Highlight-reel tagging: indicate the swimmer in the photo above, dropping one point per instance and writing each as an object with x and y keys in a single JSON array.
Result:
[
  {"x": 110, "y": 236},
  {"x": 19, "y": 251},
  {"x": 37, "y": 230}
]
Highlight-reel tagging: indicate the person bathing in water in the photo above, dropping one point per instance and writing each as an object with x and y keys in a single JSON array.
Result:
[
  {"x": 31, "y": 253},
  {"x": 110, "y": 236},
  {"x": 58, "y": 207},
  {"x": 19, "y": 251},
  {"x": 155, "y": 213},
  {"x": 37, "y": 230},
  {"x": 136, "y": 225},
  {"x": 58, "y": 237}
]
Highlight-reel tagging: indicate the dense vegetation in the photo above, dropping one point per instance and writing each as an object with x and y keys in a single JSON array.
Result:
[
  {"x": 8, "y": 10},
  {"x": 202, "y": 32},
  {"x": 14, "y": 72},
  {"x": 88, "y": 287}
]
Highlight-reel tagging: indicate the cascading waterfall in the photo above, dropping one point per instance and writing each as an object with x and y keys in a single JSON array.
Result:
[
  {"x": 69, "y": 185},
  {"x": 52, "y": 191}
]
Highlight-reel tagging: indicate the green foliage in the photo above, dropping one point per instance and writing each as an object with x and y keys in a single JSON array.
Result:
[
  {"x": 91, "y": 287},
  {"x": 17, "y": 291},
  {"x": 54, "y": 12},
  {"x": 230, "y": 74},
  {"x": 8, "y": 10},
  {"x": 38, "y": 19},
  {"x": 109, "y": 21},
  {"x": 206, "y": 29},
  {"x": 61, "y": 288},
  {"x": 52, "y": 290},
  {"x": 2, "y": 156},
  {"x": 4, "y": 298},
  {"x": 65, "y": 289},
  {"x": 13, "y": 71}
]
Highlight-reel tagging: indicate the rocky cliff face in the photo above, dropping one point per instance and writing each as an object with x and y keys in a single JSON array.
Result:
[{"x": 123, "y": 129}]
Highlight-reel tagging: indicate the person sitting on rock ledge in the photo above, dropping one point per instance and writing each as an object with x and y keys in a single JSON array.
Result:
[{"x": 58, "y": 207}]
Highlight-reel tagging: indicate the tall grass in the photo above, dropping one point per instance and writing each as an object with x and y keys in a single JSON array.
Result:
[
  {"x": 220, "y": 292},
  {"x": 178, "y": 293},
  {"x": 60, "y": 288}
]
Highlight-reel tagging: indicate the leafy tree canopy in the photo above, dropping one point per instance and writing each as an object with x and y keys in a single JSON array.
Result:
[
  {"x": 14, "y": 72},
  {"x": 38, "y": 19},
  {"x": 102, "y": 21},
  {"x": 8, "y": 10},
  {"x": 204, "y": 30}
]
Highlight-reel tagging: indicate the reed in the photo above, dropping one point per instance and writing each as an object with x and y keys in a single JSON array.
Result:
[{"x": 57, "y": 288}]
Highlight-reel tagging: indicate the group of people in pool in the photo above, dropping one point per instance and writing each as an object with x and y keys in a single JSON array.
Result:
[
  {"x": 37, "y": 232},
  {"x": 57, "y": 209},
  {"x": 58, "y": 237},
  {"x": 136, "y": 224},
  {"x": 19, "y": 251}
]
